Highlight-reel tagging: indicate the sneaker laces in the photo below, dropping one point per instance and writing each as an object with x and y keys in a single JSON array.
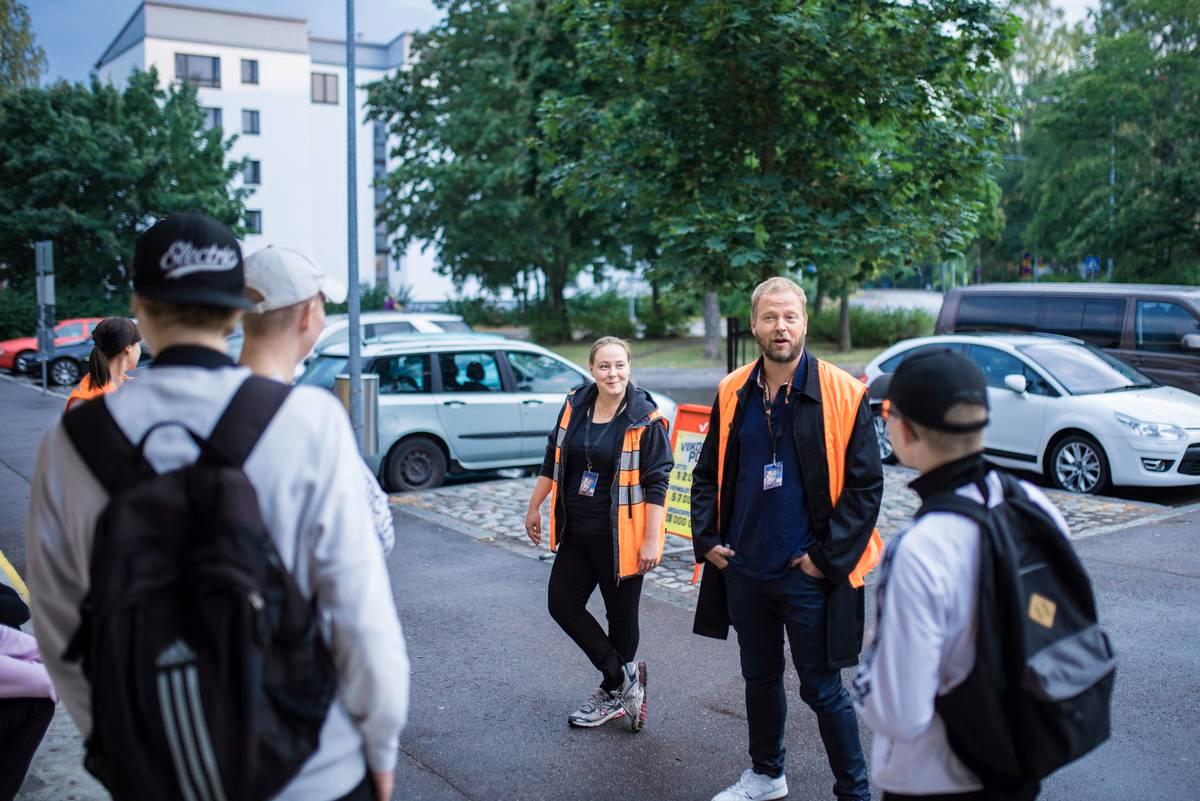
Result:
[{"x": 599, "y": 698}]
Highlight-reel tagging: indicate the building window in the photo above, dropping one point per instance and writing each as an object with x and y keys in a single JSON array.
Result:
[
  {"x": 249, "y": 121},
  {"x": 212, "y": 118},
  {"x": 253, "y": 222},
  {"x": 252, "y": 172},
  {"x": 198, "y": 70},
  {"x": 249, "y": 70},
  {"x": 324, "y": 88}
]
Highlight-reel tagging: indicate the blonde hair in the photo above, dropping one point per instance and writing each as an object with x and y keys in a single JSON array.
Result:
[
  {"x": 777, "y": 284},
  {"x": 604, "y": 342},
  {"x": 946, "y": 443}
]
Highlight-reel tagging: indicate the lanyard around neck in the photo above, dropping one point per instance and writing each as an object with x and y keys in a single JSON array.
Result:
[{"x": 768, "y": 403}]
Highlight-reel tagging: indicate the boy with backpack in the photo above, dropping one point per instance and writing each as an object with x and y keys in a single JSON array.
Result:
[
  {"x": 207, "y": 587},
  {"x": 289, "y": 291},
  {"x": 988, "y": 669}
]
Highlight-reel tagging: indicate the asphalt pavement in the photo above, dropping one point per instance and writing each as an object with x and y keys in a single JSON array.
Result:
[{"x": 493, "y": 678}]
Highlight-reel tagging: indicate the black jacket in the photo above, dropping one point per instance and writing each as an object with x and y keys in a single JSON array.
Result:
[
  {"x": 842, "y": 531},
  {"x": 657, "y": 461}
]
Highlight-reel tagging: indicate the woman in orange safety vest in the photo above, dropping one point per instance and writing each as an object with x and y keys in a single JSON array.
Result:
[
  {"x": 606, "y": 470},
  {"x": 117, "y": 349}
]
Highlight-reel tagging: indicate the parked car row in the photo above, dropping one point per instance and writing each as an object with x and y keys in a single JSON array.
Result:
[
  {"x": 459, "y": 402},
  {"x": 1069, "y": 410},
  {"x": 71, "y": 337}
]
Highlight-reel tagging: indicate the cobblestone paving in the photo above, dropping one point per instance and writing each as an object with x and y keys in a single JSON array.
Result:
[{"x": 494, "y": 511}]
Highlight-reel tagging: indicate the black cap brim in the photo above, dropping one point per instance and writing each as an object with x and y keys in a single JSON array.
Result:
[{"x": 197, "y": 296}]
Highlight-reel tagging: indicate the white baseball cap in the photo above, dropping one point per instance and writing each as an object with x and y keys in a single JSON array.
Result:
[{"x": 285, "y": 277}]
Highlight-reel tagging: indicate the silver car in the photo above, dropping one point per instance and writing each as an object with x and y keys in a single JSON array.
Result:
[{"x": 451, "y": 403}]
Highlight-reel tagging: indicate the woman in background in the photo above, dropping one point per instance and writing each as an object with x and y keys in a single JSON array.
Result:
[{"x": 118, "y": 347}]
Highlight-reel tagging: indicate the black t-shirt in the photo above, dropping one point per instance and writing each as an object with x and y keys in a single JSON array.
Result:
[{"x": 589, "y": 517}]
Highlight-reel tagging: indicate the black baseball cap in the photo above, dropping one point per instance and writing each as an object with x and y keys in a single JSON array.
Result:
[
  {"x": 190, "y": 259},
  {"x": 927, "y": 385}
]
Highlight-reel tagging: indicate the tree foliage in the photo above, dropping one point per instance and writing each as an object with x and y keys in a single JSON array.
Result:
[
  {"x": 471, "y": 179},
  {"x": 89, "y": 166},
  {"x": 21, "y": 59},
  {"x": 758, "y": 136},
  {"x": 1131, "y": 105}
]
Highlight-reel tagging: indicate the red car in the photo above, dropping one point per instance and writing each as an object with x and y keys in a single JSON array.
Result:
[{"x": 15, "y": 353}]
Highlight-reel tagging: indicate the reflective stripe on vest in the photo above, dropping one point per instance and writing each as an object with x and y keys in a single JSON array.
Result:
[
  {"x": 841, "y": 395},
  {"x": 630, "y": 530}
]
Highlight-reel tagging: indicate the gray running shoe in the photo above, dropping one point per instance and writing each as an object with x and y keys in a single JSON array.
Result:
[
  {"x": 633, "y": 695},
  {"x": 602, "y": 707}
]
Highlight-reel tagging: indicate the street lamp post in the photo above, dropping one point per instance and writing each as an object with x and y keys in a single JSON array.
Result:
[
  {"x": 353, "y": 296},
  {"x": 1112, "y": 184}
]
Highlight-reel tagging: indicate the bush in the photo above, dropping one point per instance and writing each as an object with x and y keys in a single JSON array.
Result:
[
  {"x": 871, "y": 328},
  {"x": 19, "y": 310},
  {"x": 673, "y": 319},
  {"x": 371, "y": 298},
  {"x": 604, "y": 314},
  {"x": 482, "y": 312}
]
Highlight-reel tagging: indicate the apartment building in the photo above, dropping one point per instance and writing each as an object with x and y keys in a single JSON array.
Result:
[{"x": 283, "y": 92}]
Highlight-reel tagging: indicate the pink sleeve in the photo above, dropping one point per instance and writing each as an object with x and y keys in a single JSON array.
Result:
[
  {"x": 18, "y": 644},
  {"x": 22, "y": 674}
]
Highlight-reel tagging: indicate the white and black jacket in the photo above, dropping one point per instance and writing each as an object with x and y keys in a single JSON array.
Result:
[
  {"x": 308, "y": 476},
  {"x": 924, "y": 641}
]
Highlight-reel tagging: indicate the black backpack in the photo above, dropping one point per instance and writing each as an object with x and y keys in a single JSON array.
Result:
[
  {"x": 210, "y": 679},
  {"x": 1040, "y": 692}
]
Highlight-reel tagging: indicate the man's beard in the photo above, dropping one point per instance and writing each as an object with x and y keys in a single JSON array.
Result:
[{"x": 768, "y": 352}]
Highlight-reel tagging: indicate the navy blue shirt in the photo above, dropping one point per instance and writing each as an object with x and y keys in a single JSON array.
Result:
[{"x": 769, "y": 528}]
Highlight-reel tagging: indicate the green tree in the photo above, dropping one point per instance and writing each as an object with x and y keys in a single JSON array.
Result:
[
  {"x": 21, "y": 59},
  {"x": 472, "y": 179},
  {"x": 758, "y": 136},
  {"x": 1129, "y": 111},
  {"x": 89, "y": 166}
]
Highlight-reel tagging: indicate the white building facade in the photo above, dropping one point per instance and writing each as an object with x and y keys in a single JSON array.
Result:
[{"x": 283, "y": 92}]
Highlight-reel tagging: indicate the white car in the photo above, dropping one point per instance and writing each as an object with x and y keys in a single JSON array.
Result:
[
  {"x": 451, "y": 403},
  {"x": 379, "y": 325},
  {"x": 1072, "y": 412}
]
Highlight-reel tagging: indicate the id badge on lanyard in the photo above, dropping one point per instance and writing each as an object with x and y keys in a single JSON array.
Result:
[
  {"x": 772, "y": 475},
  {"x": 773, "y": 470},
  {"x": 587, "y": 485}
]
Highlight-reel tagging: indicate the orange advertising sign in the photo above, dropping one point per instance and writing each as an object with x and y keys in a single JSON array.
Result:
[{"x": 687, "y": 437}]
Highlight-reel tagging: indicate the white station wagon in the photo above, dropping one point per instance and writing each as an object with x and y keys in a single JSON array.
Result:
[
  {"x": 1069, "y": 410},
  {"x": 451, "y": 403}
]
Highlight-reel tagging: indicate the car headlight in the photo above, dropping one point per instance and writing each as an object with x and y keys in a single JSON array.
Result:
[{"x": 1152, "y": 430}]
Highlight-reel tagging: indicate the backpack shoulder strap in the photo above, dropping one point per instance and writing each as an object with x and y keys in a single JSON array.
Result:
[
  {"x": 246, "y": 418},
  {"x": 103, "y": 446},
  {"x": 954, "y": 503}
]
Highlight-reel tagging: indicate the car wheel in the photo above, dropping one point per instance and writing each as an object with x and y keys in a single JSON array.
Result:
[
  {"x": 415, "y": 464},
  {"x": 22, "y": 362},
  {"x": 65, "y": 372},
  {"x": 1077, "y": 464},
  {"x": 886, "y": 454}
]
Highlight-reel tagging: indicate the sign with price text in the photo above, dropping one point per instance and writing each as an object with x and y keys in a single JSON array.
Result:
[{"x": 687, "y": 437}]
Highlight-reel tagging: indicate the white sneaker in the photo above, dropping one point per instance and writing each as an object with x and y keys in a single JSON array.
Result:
[
  {"x": 633, "y": 695},
  {"x": 754, "y": 787}
]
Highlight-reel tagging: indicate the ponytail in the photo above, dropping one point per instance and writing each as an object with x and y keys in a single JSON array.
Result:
[
  {"x": 110, "y": 337},
  {"x": 98, "y": 372}
]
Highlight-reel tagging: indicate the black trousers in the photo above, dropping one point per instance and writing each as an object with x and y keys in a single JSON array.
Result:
[
  {"x": 13, "y": 611},
  {"x": 363, "y": 792},
  {"x": 23, "y": 723},
  {"x": 584, "y": 562},
  {"x": 1027, "y": 794}
]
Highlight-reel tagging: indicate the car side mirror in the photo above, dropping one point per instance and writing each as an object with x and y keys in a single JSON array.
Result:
[
  {"x": 1017, "y": 383},
  {"x": 1191, "y": 342}
]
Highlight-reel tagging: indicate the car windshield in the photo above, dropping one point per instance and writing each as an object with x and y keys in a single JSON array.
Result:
[
  {"x": 1085, "y": 371},
  {"x": 323, "y": 371}
]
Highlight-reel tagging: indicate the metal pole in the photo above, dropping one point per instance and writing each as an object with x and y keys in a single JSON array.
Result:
[
  {"x": 1112, "y": 200},
  {"x": 356, "y": 394}
]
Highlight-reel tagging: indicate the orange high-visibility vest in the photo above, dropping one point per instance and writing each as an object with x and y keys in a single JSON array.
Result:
[
  {"x": 631, "y": 497},
  {"x": 841, "y": 395}
]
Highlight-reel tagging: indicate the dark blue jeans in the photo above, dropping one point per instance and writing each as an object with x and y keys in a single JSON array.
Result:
[{"x": 761, "y": 612}]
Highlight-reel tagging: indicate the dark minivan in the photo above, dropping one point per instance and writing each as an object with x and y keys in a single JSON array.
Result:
[{"x": 1154, "y": 328}]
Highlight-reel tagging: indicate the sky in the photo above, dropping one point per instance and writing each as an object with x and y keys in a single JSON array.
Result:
[{"x": 74, "y": 33}]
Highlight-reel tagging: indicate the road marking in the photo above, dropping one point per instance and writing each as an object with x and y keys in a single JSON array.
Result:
[
  {"x": 14, "y": 578},
  {"x": 33, "y": 387}
]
